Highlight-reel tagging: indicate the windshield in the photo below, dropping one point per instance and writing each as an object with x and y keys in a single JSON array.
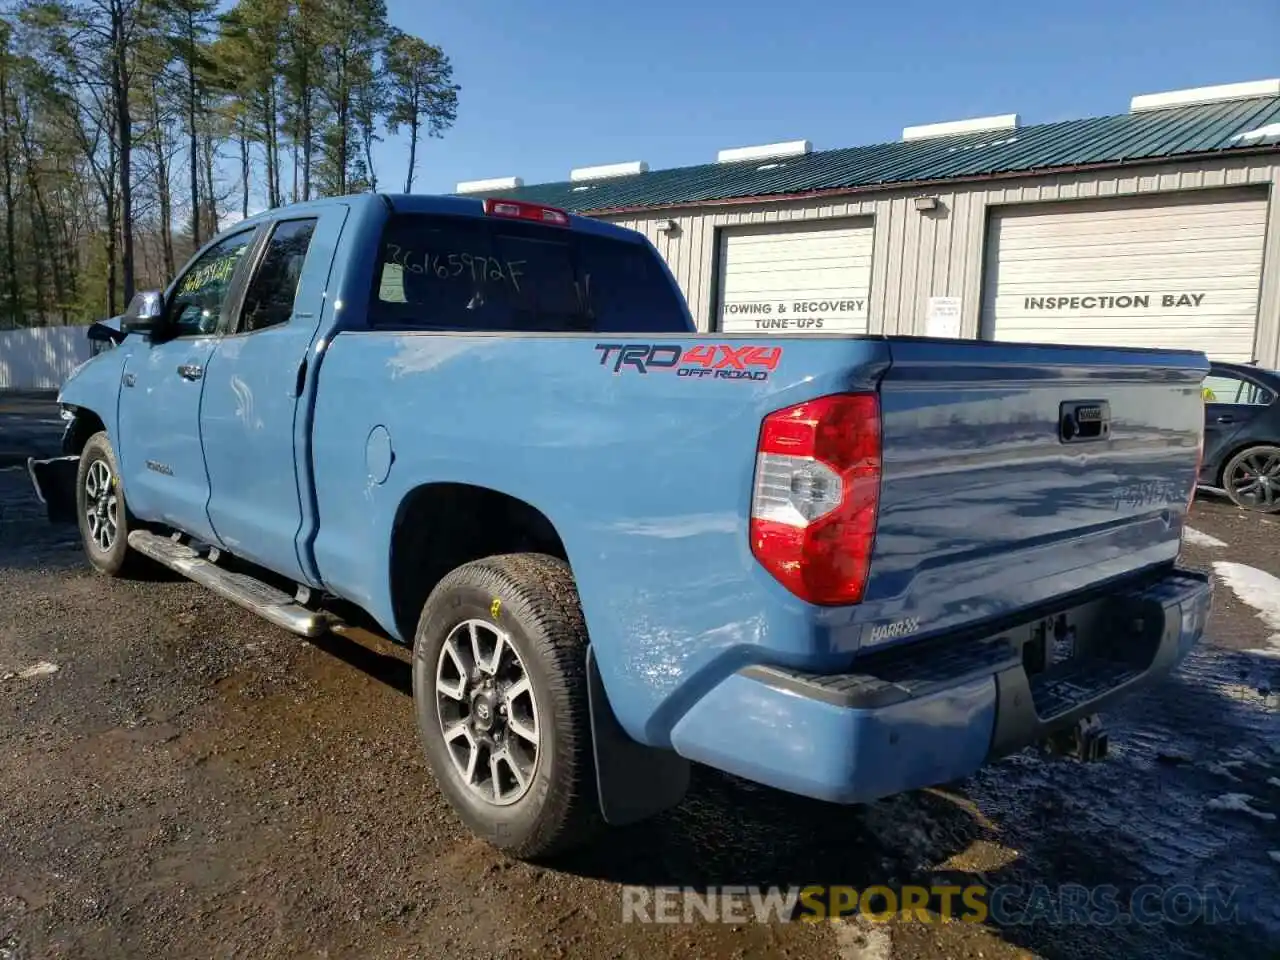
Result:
[{"x": 472, "y": 273}]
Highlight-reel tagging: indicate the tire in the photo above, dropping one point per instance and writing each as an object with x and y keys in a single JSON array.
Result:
[
  {"x": 531, "y": 602},
  {"x": 97, "y": 467},
  {"x": 1252, "y": 478}
]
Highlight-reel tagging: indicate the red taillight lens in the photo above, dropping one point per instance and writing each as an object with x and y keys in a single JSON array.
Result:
[
  {"x": 517, "y": 210},
  {"x": 816, "y": 495}
]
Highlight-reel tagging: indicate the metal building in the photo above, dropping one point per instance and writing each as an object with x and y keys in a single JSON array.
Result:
[{"x": 1159, "y": 227}]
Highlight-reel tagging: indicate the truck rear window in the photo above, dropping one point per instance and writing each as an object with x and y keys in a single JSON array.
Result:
[{"x": 471, "y": 273}]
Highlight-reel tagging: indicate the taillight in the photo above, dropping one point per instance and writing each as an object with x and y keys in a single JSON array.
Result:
[
  {"x": 519, "y": 210},
  {"x": 816, "y": 495}
]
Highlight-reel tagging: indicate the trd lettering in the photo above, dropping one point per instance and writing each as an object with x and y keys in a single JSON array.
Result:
[
  {"x": 663, "y": 356},
  {"x": 635, "y": 355},
  {"x": 639, "y": 355}
]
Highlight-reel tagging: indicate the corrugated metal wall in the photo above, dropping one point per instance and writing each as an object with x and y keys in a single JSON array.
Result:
[
  {"x": 1178, "y": 270},
  {"x": 922, "y": 254},
  {"x": 40, "y": 358}
]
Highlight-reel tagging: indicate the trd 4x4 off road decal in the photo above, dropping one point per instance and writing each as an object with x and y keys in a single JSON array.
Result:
[{"x": 716, "y": 361}]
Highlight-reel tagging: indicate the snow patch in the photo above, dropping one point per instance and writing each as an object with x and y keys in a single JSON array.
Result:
[
  {"x": 1222, "y": 771},
  {"x": 863, "y": 939},
  {"x": 1200, "y": 539},
  {"x": 42, "y": 669},
  {"x": 1259, "y": 590},
  {"x": 1245, "y": 755},
  {"x": 1238, "y": 803},
  {"x": 1259, "y": 133}
]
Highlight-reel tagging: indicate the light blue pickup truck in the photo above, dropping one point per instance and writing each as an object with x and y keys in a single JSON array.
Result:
[{"x": 841, "y": 566}]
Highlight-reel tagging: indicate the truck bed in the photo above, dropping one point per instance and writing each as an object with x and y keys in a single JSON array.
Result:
[{"x": 646, "y": 474}]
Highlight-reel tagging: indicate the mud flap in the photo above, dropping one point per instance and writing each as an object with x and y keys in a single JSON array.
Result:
[
  {"x": 634, "y": 781},
  {"x": 55, "y": 485}
]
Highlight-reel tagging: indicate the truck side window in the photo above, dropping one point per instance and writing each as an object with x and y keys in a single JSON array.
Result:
[
  {"x": 197, "y": 301},
  {"x": 481, "y": 274},
  {"x": 1224, "y": 388},
  {"x": 274, "y": 287}
]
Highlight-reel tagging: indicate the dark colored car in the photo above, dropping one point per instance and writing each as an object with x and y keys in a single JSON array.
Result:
[{"x": 1242, "y": 435}]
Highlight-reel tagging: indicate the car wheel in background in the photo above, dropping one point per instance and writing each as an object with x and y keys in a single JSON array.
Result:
[{"x": 1252, "y": 479}]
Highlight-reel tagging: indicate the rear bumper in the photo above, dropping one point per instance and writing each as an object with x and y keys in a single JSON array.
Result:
[
  {"x": 936, "y": 711},
  {"x": 54, "y": 481}
]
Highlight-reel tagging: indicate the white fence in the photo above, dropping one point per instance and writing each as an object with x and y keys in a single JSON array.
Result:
[{"x": 40, "y": 358}]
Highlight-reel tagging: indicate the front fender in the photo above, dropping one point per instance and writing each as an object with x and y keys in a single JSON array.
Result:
[{"x": 94, "y": 388}]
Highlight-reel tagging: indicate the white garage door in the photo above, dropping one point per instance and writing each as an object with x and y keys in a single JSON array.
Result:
[
  {"x": 795, "y": 279},
  {"x": 1178, "y": 272}
]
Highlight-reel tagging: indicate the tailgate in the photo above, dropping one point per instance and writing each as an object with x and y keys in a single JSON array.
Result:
[{"x": 1016, "y": 474}]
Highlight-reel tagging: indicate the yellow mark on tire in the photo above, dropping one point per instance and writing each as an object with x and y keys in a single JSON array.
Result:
[{"x": 495, "y": 608}]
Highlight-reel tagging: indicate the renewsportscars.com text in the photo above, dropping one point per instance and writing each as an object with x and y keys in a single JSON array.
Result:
[{"x": 1008, "y": 905}]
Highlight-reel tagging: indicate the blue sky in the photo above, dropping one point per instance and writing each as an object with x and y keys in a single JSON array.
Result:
[{"x": 556, "y": 84}]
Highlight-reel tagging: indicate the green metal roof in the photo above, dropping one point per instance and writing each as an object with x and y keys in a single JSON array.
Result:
[{"x": 1099, "y": 141}]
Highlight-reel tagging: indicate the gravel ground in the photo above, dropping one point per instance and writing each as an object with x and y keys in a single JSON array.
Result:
[{"x": 191, "y": 781}]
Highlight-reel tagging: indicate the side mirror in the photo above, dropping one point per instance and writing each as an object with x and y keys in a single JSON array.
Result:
[
  {"x": 100, "y": 332},
  {"x": 145, "y": 312}
]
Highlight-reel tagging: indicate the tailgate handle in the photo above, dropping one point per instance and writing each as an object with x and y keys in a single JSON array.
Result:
[{"x": 1082, "y": 420}]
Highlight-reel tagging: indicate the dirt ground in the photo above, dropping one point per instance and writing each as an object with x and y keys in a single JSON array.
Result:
[{"x": 191, "y": 781}]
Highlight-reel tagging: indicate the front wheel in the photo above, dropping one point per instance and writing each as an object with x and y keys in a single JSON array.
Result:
[
  {"x": 1252, "y": 479},
  {"x": 500, "y": 693},
  {"x": 101, "y": 510}
]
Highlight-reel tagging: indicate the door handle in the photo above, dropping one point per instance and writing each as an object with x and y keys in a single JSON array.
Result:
[
  {"x": 302, "y": 378},
  {"x": 1226, "y": 418},
  {"x": 190, "y": 371}
]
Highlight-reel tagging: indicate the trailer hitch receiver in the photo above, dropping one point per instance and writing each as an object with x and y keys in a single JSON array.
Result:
[{"x": 1085, "y": 741}]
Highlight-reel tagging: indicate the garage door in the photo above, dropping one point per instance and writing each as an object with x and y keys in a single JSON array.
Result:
[
  {"x": 1178, "y": 272},
  {"x": 795, "y": 279}
]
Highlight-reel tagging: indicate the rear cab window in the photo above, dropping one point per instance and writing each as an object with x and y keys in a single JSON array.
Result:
[{"x": 458, "y": 273}]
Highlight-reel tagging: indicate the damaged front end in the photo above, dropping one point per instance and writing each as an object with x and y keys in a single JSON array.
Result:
[
  {"x": 54, "y": 479},
  {"x": 55, "y": 485}
]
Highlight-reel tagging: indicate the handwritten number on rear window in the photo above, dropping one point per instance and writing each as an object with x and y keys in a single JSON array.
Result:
[{"x": 478, "y": 267}]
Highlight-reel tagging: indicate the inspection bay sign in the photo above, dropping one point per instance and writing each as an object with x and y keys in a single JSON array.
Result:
[
  {"x": 796, "y": 314},
  {"x": 1125, "y": 301}
]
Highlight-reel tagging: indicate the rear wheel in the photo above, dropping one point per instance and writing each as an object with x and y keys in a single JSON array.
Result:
[
  {"x": 101, "y": 510},
  {"x": 1252, "y": 479},
  {"x": 500, "y": 692}
]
